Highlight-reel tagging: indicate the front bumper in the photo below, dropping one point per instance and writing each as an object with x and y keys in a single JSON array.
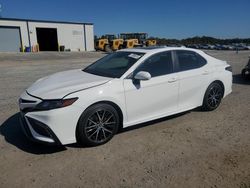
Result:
[
  {"x": 37, "y": 131},
  {"x": 52, "y": 127}
]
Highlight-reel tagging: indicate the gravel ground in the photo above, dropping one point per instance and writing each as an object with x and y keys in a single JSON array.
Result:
[{"x": 192, "y": 149}]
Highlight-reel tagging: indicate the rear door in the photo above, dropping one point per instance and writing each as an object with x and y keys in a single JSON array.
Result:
[{"x": 193, "y": 74}]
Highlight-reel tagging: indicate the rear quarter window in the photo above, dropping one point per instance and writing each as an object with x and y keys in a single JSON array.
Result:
[{"x": 188, "y": 60}]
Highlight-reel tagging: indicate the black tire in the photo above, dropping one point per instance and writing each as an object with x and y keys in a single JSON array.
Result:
[
  {"x": 107, "y": 48},
  {"x": 245, "y": 73},
  {"x": 97, "y": 125},
  {"x": 212, "y": 97}
]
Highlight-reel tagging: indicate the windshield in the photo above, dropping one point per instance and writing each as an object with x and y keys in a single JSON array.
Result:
[{"x": 114, "y": 65}]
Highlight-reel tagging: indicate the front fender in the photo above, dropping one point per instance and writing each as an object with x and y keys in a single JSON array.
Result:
[{"x": 112, "y": 91}]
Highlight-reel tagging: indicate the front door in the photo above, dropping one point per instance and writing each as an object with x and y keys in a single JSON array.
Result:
[{"x": 154, "y": 98}]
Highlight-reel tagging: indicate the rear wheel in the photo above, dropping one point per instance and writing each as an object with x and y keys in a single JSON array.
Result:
[
  {"x": 213, "y": 96},
  {"x": 97, "y": 125}
]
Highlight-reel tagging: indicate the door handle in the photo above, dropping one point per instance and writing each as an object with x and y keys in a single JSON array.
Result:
[
  {"x": 205, "y": 72},
  {"x": 171, "y": 80}
]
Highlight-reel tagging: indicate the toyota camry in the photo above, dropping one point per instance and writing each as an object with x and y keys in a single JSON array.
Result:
[{"x": 125, "y": 88}]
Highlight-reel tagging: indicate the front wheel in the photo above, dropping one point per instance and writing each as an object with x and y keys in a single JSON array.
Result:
[
  {"x": 97, "y": 125},
  {"x": 212, "y": 97}
]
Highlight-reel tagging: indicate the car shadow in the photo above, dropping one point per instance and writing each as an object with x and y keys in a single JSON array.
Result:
[
  {"x": 137, "y": 126},
  {"x": 12, "y": 132},
  {"x": 238, "y": 79}
]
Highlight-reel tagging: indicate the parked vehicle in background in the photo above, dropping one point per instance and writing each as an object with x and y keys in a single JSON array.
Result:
[
  {"x": 246, "y": 71},
  {"x": 108, "y": 43},
  {"x": 204, "y": 46},
  {"x": 125, "y": 88},
  {"x": 132, "y": 40},
  {"x": 211, "y": 47},
  {"x": 151, "y": 42},
  {"x": 218, "y": 47},
  {"x": 240, "y": 47},
  {"x": 114, "y": 42},
  {"x": 102, "y": 44},
  {"x": 194, "y": 46},
  {"x": 231, "y": 47}
]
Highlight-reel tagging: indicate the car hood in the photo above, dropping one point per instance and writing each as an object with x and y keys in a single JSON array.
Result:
[{"x": 58, "y": 85}]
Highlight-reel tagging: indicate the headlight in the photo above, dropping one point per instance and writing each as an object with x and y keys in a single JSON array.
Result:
[
  {"x": 52, "y": 104},
  {"x": 229, "y": 68}
]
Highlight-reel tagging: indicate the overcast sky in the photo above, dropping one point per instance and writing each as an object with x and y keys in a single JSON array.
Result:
[{"x": 161, "y": 18}]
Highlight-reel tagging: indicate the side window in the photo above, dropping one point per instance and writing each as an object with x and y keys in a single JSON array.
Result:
[
  {"x": 189, "y": 60},
  {"x": 157, "y": 65}
]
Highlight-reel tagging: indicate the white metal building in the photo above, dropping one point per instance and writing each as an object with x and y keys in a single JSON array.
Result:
[{"x": 33, "y": 35}]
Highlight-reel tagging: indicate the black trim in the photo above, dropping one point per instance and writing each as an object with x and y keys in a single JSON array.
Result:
[
  {"x": 26, "y": 101},
  {"x": 29, "y": 135},
  {"x": 45, "y": 21},
  {"x": 25, "y": 127},
  {"x": 176, "y": 62},
  {"x": 85, "y": 42},
  {"x": 28, "y": 30}
]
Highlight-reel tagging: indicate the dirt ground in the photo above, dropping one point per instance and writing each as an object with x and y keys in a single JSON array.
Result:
[{"x": 193, "y": 149}]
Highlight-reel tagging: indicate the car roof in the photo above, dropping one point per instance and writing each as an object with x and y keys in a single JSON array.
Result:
[{"x": 156, "y": 49}]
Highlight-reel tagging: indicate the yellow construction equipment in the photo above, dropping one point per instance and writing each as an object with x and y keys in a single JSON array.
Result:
[
  {"x": 131, "y": 40},
  {"x": 131, "y": 43},
  {"x": 114, "y": 42},
  {"x": 151, "y": 42},
  {"x": 137, "y": 40},
  {"x": 110, "y": 42},
  {"x": 102, "y": 44}
]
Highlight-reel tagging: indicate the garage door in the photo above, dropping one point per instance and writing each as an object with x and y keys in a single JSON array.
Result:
[{"x": 10, "y": 39}]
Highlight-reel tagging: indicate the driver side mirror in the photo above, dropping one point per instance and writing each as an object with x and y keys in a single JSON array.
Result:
[{"x": 142, "y": 75}]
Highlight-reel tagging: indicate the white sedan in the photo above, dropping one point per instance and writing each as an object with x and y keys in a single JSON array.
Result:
[{"x": 122, "y": 89}]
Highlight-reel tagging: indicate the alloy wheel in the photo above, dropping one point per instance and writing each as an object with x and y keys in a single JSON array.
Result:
[
  {"x": 100, "y": 126},
  {"x": 214, "y": 96}
]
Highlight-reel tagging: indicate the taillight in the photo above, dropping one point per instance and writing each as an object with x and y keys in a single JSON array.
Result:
[{"x": 229, "y": 68}]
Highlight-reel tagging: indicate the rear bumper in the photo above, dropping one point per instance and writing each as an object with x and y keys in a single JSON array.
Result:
[
  {"x": 228, "y": 83},
  {"x": 43, "y": 134}
]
